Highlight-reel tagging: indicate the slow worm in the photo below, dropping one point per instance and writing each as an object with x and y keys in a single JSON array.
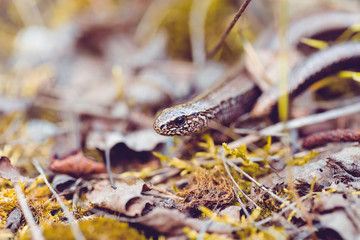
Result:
[
  {"x": 235, "y": 96},
  {"x": 316, "y": 67}
]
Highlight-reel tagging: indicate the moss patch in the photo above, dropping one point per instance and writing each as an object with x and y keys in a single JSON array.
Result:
[{"x": 97, "y": 228}]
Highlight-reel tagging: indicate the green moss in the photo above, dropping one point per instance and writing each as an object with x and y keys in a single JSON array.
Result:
[
  {"x": 97, "y": 228},
  {"x": 8, "y": 201}
]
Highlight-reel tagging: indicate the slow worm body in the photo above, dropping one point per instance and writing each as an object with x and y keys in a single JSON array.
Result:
[
  {"x": 316, "y": 67},
  {"x": 230, "y": 99},
  {"x": 223, "y": 104}
]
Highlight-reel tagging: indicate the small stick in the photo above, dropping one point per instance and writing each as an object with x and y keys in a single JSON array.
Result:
[
  {"x": 108, "y": 167},
  {"x": 244, "y": 141},
  {"x": 258, "y": 184},
  {"x": 34, "y": 229},
  {"x": 291, "y": 206},
  {"x": 236, "y": 18},
  {"x": 276, "y": 129},
  {"x": 312, "y": 119},
  {"x": 237, "y": 186},
  {"x": 241, "y": 203},
  {"x": 74, "y": 226},
  {"x": 262, "y": 80}
]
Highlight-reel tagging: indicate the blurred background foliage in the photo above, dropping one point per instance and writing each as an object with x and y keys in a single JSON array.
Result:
[{"x": 171, "y": 16}]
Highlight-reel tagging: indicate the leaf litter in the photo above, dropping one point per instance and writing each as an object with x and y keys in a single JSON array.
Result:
[{"x": 81, "y": 82}]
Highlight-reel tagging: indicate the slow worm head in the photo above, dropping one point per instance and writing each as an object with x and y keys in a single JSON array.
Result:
[{"x": 184, "y": 119}]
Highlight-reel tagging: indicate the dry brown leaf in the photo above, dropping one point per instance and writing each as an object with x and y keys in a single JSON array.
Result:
[
  {"x": 341, "y": 167},
  {"x": 76, "y": 164},
  {"x": 8, "y": 172},
  {"x": 172, "y": 222},
  {"x": 347, "y": 160},
  {"x": 126, "y": 199},
  {"x": 143, "y": 140},
  {"x": 339, "y": 213}
]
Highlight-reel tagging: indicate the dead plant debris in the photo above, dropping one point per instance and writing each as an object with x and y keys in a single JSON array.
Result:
[
  {"x": 211, "y": 188},
  {"x": 76, "y": 164},
  {"x": 81, "y": 83}
]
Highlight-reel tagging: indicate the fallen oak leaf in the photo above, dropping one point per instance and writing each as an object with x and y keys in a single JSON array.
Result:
[
  {"x": 8, "y": 172},
  {"x": 126, "y": 199},
  {"x": 76, "y": 164}
]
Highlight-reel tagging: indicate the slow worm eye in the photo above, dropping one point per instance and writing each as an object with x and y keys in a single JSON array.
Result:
[{"x": 179, "y": 121}]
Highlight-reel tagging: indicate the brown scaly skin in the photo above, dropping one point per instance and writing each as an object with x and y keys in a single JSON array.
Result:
[
  {"x": 181, "y": 120},
  {"x": 319, "y": 65},
  {"x": 230, "y": 99},
  {"x": 222, "y": 103}
]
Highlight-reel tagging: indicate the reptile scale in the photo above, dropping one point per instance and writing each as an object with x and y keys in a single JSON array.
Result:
[{"x": 229, "y": 99}]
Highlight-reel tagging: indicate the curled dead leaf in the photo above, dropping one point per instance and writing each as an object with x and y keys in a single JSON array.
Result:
[
  {"x": 126, "y": 199},
  {"x": 7, "y": 171},
  {"x": 340, "y": 167},
  {"x": 142, "y": 140},
  {"x": 347, "y": 162},
  {"x": 76, "y": 164},
  {"x": 172, "y": 222},
  {"x": 338, "y": 215}
]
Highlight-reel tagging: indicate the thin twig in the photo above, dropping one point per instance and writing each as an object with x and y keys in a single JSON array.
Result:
[
  {"x": 76, "y": 194},
  {"x": 312, "y": 119},
  {"x": 74, "y": 226},
  {"x": 151, "y": 20},
  {"x": 237, "y": 186},
  {"x": 34, "y": 229},
  {"x": 244, "y": 141},
  {"x": 108, "y": 166},
  {"x": 236, "y": 18},
  {"x": 276, "y": 129},
  {"x": 262, "y": 80},
  {"x": 241, "y": 203},
  {"x": 291, "y": 206},
  {"x": 259, "y": 185},
  {"x": 305, "y": 234}
]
